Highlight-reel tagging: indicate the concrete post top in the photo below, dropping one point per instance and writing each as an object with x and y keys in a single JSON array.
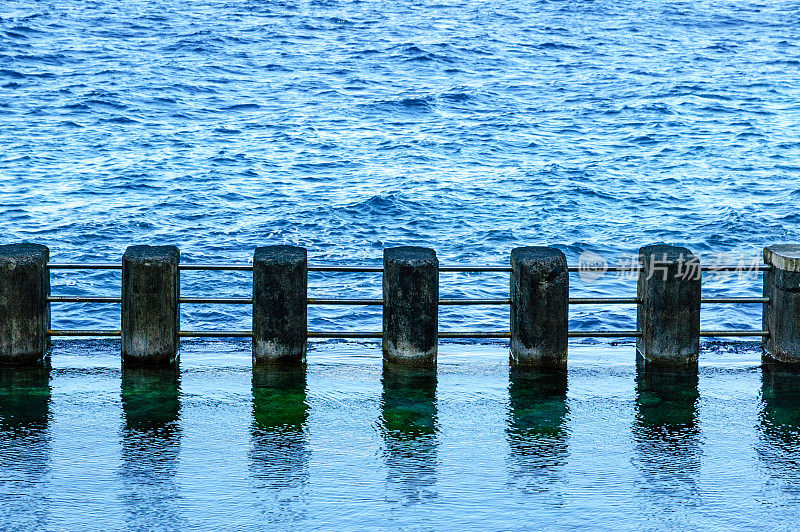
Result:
[
  {"x": 542, "y": 256},
  {"x": 151, "y": 253},
  {"x": 411, "y": 255},
  {"x": 24, "y": 253},
  {"x": 663, "y": 252},
  {"x": 783, "y": 257},
  {"x": 281, "y": 254}
]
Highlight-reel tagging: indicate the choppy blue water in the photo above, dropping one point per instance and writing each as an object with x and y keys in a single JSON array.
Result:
[
  {"x": 470, "y": 127},
  {"x": 345, "y": 127}
]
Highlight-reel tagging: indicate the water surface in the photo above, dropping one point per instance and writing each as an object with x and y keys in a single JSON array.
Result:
[
  {"x": 349, "y": 126},
  {"x": 347, "y": 445}
]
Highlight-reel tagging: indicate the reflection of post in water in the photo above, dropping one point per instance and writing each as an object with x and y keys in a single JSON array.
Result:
[
  {"x": 666, "y": 433},
  {"x": 409, "y": 427},
  {"x": 779, "y": 426},
  {"x": 150, "y": 445},
  {"x": 279, "y": 455},
  {"x": 537, "y": 433},
  {"x": 24, "y": 400},
  {"x": 25, "y": 444}
]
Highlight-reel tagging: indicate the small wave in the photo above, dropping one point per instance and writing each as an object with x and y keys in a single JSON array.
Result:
[
  {"x": 120, "y": 120},
  {"x": 557, "y": 46},
  {"x": 406, "y": 104},
  {"x": 382, "y": 205},
  {"x": 12, "y": 74},
  {"x": 456, "y": 96},
  {"x": 242, "y": 107},
  {"x": 105, "y": 103}
]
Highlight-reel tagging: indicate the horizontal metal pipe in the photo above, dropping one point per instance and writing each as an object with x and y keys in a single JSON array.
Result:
[
  {"x": 85, "y": 266},
  {"x": 605, "y": 300},
  {"x": 733, "y": 333},
  {"x": 323, "y": 301},
  {"x": 345, "y": 334},
  {"x": 378, "y": 302},
  {"x": 500, "y": 301},
  {"x": 83, "y": 332},
  {"x": 215, "y": 334},
  {"x": 378, "y": 269},
  {"x": 604, "y": 334},
  {"x": 738, "y": 300},
  {"x": 343, "y": 269},
  {"x": 217, "y": 300},
  {"x": 334, "y": 301},
  {"x": 83, "y": 299},
  {"x": 217, "y": 267},
  {"x": 378, "y": 334}
]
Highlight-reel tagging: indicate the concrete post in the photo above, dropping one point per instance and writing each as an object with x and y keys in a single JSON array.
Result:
[
  {"x": 280, "y": 298},
  {"x": 150, "y": 305},
  {"x": 410, "y": 306},
  {"x": 24, "y": 310},
  {"x": 669, "y": 314},
  {"x": 539, "y": 307},
  {"x": 781, "y": 316}
]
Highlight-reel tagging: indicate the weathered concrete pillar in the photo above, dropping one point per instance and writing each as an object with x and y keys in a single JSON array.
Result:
[
  {"x": 24, "y": 310},
  {"x": 150, "y": 305},
  {"x": 410, "y": 306},
  {"x": 781, "y": 316},
  {"x": 669, "y": 314},
  {"x": 280, "y": 298},
  {"x": 539, "y": 307}
]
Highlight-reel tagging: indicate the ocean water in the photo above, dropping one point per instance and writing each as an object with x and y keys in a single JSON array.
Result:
[{"x": 346, "y": 127}]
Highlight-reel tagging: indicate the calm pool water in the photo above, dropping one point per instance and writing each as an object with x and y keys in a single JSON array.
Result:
[{"x": 345, "y": 445}]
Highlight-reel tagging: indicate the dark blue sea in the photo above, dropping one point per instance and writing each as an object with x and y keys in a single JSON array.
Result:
[{"x": 350, "y": 126}]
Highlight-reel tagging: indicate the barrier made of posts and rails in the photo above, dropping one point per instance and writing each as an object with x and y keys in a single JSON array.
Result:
[{"x": 668, "y": 305}]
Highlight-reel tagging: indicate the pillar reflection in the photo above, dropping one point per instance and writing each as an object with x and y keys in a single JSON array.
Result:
[
  {"x": 25, "y": 446},
  {"x": 779, "y": 426},
  {"x": 537, "y": 427},
  {"x": 279, "y": 453},
  {"x": 410, "y": 431},
  {"x": 151, "y": 446},
  {"x": 666, "y": 435}
]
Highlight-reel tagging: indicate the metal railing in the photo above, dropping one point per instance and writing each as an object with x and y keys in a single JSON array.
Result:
[
  {"x": 462, "y": 268},
  {"x": 379, "y": 302}
]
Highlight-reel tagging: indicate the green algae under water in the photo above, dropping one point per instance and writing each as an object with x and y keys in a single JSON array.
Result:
[{"x": 346, "y": 444}]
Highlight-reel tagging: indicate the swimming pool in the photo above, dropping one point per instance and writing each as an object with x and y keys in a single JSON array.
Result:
[{"x": 344, "y": 444}]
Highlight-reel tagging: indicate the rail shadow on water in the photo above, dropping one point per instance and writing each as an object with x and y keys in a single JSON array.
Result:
[
  {"x": 151, "y": 437},
  {"x": 25, "y": 445},
  {"x": 410, "y": 429}
]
